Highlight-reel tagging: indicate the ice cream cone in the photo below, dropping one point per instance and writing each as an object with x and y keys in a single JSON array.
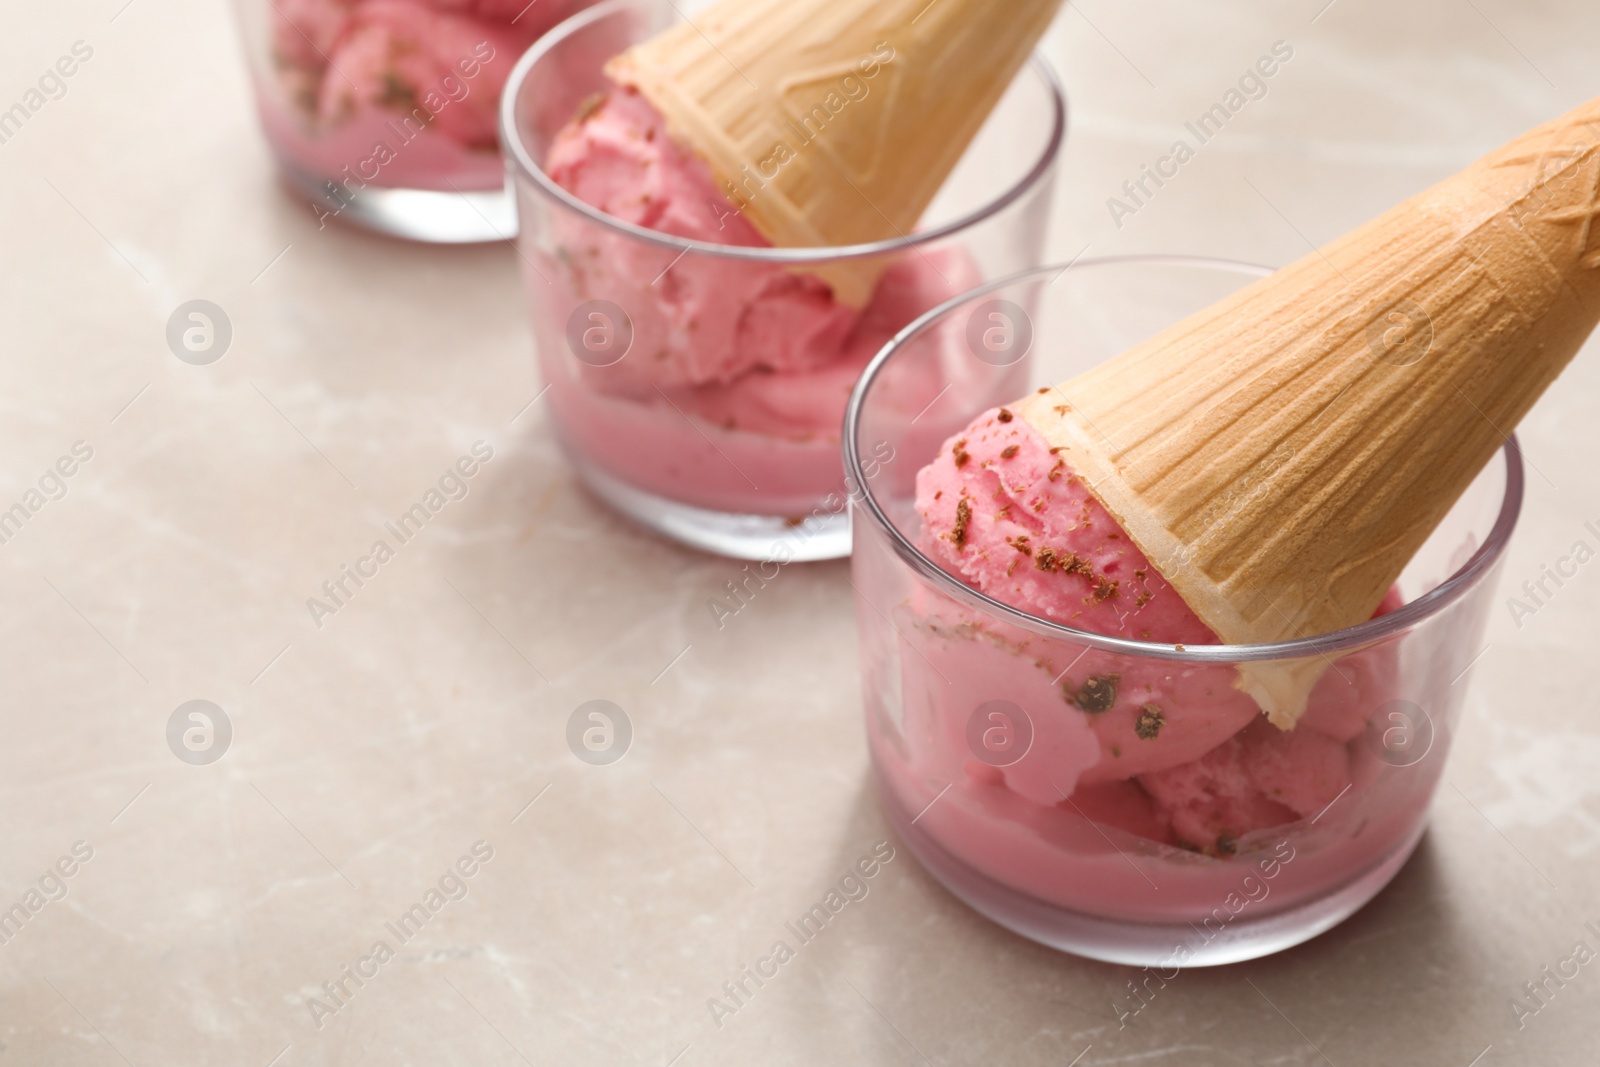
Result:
[
  {"x": 1281, "y": 455},
  {"x": 834, "y": 122}
]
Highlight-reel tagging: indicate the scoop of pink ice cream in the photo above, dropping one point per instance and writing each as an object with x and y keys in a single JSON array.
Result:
[
  {"x": 709, "y": 320},
  {"x": 1005, "y": 514},
  {"x": 732, "y": 391},
  {"x": 1014, "y": 521},
  {"x": 801, "y": 401},
  {"x": 396, "y": 93},
  {"x": 443, "y": 70},
  {"x": 1260, "y": 777}
]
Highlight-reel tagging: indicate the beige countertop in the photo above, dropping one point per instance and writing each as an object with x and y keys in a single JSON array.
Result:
[{"x": 370, "y": 754}]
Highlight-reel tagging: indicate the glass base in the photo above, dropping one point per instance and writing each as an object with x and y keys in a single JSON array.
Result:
[
  {"x": 416, "y": 214},
  {"x": 752, "y": 537},
  {"x": 1135, "y": 944}
]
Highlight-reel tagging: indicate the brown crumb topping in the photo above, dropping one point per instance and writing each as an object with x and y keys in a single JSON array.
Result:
[
  {"x": 1098, "y": 693},
  {"x": 1149, "y": 722},
  {"x": 959, "y": 451},
  {"x": 1048, "y": 559},
  {"x": 1227, "y": 845},
  {"x": 1005, "y": 416},
  {"x": 958, "y": 532},
  {"x": 1052, "y": 559},
  {"x": 1021, "y": 544},
  {"x": 397, "y": 93},
  {"x": 1009, "y": 451}
]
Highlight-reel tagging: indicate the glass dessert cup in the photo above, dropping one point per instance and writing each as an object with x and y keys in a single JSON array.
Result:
[
  {"x": 382, "y": 113},
  {"x": 745, "y": 464},
  {"x": 1052, "y": 778}
]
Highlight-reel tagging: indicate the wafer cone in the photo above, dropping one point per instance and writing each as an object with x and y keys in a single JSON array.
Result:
[
  {"x": 1281, "y": 455},
  {"x": 834, "y": 122}
]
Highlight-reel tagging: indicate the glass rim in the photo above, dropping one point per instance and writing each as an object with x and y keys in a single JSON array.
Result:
[
  {"x": 864, "y": 502},
  {"x": 521, "y": 162}
]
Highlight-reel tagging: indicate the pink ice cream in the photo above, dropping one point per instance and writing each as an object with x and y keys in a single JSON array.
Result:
[
  {"x": 397, "y": 93},
  {"x": 1171, "y": 751},
  {"x": 1034, "y": 770},
  {"x": 732, "y": 394}
]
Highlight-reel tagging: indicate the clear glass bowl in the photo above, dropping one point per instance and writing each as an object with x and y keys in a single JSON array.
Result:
[
  {"x": 742, "y": 462},
  {"x": 1019, "y": 759},
  {"x": 383, "y": 113}
]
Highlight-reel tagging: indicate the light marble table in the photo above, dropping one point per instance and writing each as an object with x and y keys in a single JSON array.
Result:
[{"x": 368, "y": 756}]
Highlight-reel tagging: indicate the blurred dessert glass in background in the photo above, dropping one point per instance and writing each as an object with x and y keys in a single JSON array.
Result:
[
  {"x": 383, "y": 112},
  {"x": 697, "y": 376}
]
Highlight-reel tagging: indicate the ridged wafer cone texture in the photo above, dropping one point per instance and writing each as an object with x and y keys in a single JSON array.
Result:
[
  {"x": 835, "y": 122},
  {"x": 1282, "y": 455}
]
